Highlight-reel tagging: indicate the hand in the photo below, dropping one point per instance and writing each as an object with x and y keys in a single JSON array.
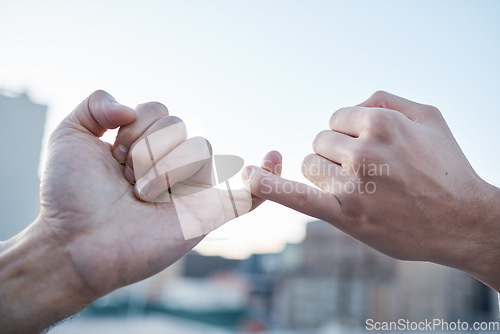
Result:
[
  {"x": 93, "y": 234},
  {"x": 392, "y": 175}
]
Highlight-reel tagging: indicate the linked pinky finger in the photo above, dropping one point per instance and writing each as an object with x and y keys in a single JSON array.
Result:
[{"x": 295, "y": 195}]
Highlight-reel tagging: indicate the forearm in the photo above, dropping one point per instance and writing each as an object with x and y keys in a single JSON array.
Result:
[{"x": 38, "y": 285}]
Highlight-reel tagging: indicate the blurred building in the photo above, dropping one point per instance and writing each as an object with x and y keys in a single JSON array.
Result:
[
  {"x": 21, "y": 131},
  {"x": 324, "y": 279},
  {"x": 341, "y": 280},
  {"x": 199, "y": 266},
  {"x": 329, "y": 283}
]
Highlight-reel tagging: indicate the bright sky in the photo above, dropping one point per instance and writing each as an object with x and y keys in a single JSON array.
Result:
[{"x": 252, "y": 76}]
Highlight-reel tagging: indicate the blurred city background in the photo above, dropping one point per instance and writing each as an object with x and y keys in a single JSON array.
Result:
[
  {"x": 326, "y": 283},
  {"x": 271, "y": 72}
]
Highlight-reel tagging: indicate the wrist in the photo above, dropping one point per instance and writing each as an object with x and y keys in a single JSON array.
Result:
[
  {"x": 37, "y": 282},
  {"x": 481, "y": 252}
]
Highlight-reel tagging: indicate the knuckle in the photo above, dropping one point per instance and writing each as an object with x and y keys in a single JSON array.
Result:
[
  {"x": 355, "y": 157},
  {"x": 175, "y": 119},
  {"x": 335, "y": 116},
  {"x": 378, "y": 122},
  {"x": 376, "y": 115},
  {"x": 431, "y": 111},
  {"x": 95, "y": 98},
  {"x": 167, "y": 121},
  {"x": 300, "y": 199},
  {"x": 202, "y": 142},
  {"x": 358, "y": 157},
  {"x": 378, "y": 98},
  {"x": 379, "y": 95},
  {"x": 155, "y": 108},
  {"x": 159, "y": 106},
  {"x": 307, "y": 166},
  {"x": 99, "y": 94},
  {"x": 320, "y": 139},
  {"x": 257, "y": 185}
]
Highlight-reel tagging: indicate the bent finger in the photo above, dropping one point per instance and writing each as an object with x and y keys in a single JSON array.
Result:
[
  {"x": 159, "y": 139},
  {"x": 183, "y": 162},
  {"x": 326, "y": 175},
  {"x": 147, "y": 114},
  {"x": 334, "y": 146}
]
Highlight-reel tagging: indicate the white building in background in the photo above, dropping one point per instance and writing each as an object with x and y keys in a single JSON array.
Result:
[
  {"x": 21, "y": 130},
  {"x": 343, "y": 281}
]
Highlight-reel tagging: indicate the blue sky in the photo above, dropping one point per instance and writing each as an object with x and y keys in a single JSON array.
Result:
[{"x": 252, "y": 76}]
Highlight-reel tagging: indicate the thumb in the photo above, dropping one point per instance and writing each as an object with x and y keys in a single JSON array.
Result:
[
  {"x": 295, "y": 195},
  {"x": 97, "y": 113}
]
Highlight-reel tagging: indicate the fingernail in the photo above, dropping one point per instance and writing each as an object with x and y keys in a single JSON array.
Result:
[
  {"x": 120, "y": 152},
  {"x": 129, "y": 174},
  {"x": 143, "y": 187},
  {"x": 247, "y": 173}
]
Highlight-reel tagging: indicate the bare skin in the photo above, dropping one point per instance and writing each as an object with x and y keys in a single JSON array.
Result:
[
  {"x": 93, "y": 235},
  {"x": 421, "y": 201}
]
